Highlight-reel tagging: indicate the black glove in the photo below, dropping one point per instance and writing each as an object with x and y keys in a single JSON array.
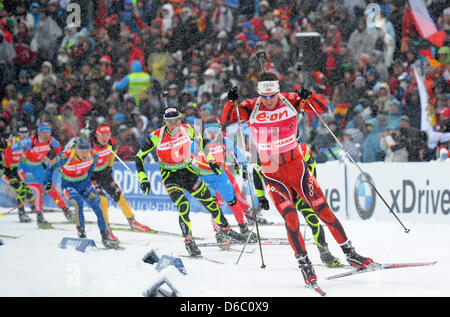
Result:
[
  {"x": 244, "y": 174},
  {"x": 145, "y": 186},
  {"x": 304, "y": 93},
  {"x": 233, "y": 94},
  {"x": 3, "y": 144},
  {"x": 215, "y": 167},
  {"x": 48, "y": 187},
  {"x": 264, "y": 203}
]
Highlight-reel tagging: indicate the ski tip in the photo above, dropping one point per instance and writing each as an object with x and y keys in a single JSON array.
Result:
[{"x": 317, "y": 289}]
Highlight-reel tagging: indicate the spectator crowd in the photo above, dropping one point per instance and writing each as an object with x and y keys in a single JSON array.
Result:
[{"x": 76, "y": 72}]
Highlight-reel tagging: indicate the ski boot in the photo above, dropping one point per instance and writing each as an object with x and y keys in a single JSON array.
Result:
[
  {"x": 134, "y": 225},
  {"x": 251, "y": 219},
  {"x": 41, "y": 222},
  {"x": 111, "y": 234},
  {"x": 23, "y": 217},
  {"x": 309, "y": 275},
  {"x": 222, "y": 242},
  {"x": 81, "y": 232},
  {"x": 243, "y": 228},
  {"x": 68, "y": 214},
  {"x": 191, "y": 247},
  {"x": 231, "y": 236},
  {"x": 353, "y": 258},
  {"x": 327, "y": 258},
  {"x": 107, "y": 241}
]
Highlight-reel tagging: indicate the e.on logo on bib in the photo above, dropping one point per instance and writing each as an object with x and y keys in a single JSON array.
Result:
[{"x": 272, "y": 116}]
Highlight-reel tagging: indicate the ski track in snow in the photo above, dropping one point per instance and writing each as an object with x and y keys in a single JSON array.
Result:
[{"x": 33, "y": 265}]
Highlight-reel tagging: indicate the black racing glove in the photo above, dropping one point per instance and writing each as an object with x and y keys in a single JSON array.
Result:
[
  {"x": 215, "y": 167},
  {"x": 48, "y": 187},
  {"x": 233, "y": 94},
  {"x": 145, "y": 185},
  {"x": 244, "y": 174},
  {"x": 304, "y": 93},
  {"x": 264, "y": 203}
]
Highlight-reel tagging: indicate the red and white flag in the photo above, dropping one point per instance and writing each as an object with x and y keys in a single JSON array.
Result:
[{"x": 425, "y": 24}]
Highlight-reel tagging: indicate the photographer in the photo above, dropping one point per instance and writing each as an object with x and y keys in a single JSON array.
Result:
[
  {"x": 415, "y": 140},
  {"x": 393, "y": 145}
]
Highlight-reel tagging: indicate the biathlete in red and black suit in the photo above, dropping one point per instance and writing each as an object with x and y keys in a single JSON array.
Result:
[{"x": 272, "y": 118}]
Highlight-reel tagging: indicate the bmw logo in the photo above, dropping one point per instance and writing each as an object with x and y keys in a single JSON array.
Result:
[{"x": 364, "y": 196}]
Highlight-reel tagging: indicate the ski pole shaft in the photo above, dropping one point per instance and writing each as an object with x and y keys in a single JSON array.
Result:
[
  {"x": 22, "y": 204},
  {"x": 357, "y": 165},
  {"x": 126, "y": 166},
  {"x": 241, "y": 132}
]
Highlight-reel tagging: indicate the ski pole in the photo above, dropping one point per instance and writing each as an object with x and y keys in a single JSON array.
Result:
[
  {"x": 22, "y": 204},
  {"x": 260, "y": 55},
  {"x": 251, "y": 196},
  {"x": 357, "y": 165}
]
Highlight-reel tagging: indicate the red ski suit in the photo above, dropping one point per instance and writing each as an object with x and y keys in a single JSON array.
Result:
[{"x": 285, "y": 174}]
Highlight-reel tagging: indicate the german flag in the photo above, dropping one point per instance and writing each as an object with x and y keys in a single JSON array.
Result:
[{"x": 341, "y": 108}]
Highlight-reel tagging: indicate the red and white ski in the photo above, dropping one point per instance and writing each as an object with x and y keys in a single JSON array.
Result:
[
  {"x": 378, "y": 267},
  {"x": 317, "y": 288}
]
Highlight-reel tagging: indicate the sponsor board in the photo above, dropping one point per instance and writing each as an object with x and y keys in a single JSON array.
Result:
[
  {"x": 331, "y": 177},
  {"x": 415, "y": 192}
]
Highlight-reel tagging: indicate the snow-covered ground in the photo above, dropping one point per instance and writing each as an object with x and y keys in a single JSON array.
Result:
[{"x": 33, "y": 264}]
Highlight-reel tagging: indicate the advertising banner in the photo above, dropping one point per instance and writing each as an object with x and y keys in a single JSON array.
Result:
[
  {"x": 416, "y": 192},
  {"x": 331, "y": 177}
]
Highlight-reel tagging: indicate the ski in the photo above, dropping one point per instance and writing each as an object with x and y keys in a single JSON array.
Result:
[
  {"x": 378, "y": 267},
  {"x": 201, "y": 257},
  {"x": 57, "y": 228},
  {"x": 124, "y": 227},
  {"x": 119, "y": 248},
  {"x": 340, "y": 266},
  {"x": 152, "y": 231},
  {"x": 67, "y": 222},
  {"x": 227, "y": 247},
  {"x": 229, "y": 244},
  {"x": 99, "y": 247},
  {"x": 317, "y": 288},
  {"x": 9, "y": 237}
]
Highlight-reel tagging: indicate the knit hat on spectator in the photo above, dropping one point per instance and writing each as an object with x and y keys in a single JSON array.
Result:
[
  {"x": 119, "y": 117},
  {"x": 364, "y": 58},
  {"x": 360, "y": 79},
  {"x": 210, "y": 72},
  {"x": 23, "y": 74},
  {"x": 405, "y": 118},
  {"x": 207, "y": 107},
  {"x": 371, "y": 72}
]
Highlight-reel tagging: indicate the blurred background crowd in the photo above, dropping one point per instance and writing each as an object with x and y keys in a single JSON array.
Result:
[{"x": 111, "y": 65}]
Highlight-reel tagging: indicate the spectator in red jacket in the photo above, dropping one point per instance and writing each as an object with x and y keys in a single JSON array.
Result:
[
  {"x": 80, "y": 106},
  {"x": 134, "y": 52}
]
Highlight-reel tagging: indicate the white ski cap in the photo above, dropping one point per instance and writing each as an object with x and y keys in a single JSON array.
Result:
[{"x": 268, "y": 87}]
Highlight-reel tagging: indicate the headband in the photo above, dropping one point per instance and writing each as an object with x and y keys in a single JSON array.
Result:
[
  {"x": 103, "y": 129},
  {"x": 268, "y": 87}
]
